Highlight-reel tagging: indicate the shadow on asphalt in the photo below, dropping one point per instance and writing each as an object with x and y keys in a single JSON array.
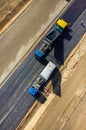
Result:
[
  {"x": 66, "y": 34},
  {"x": 44, "y": 61},
  {"x": 56, "y": 82},
  {"x": 59, "y": 51},
  {"x": 41, "y": 98},
  {"x": 59, "y": 47}
]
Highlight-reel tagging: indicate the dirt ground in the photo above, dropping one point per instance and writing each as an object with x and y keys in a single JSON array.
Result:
[
  {"x": 67, "y": 112},
  {"x": 8, "y": 9}
]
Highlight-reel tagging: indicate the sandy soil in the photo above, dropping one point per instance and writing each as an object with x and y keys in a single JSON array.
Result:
[
  {"x": 8, "y": 9},
  {"x": 77, "y": 120},
  {"x": 60, "y": 113}
]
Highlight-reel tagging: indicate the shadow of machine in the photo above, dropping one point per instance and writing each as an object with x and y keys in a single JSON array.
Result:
[
  {"x": 41, "y": 98},
  {"x": 59, "y": 47},
  {"x": 56, "y": 82}
]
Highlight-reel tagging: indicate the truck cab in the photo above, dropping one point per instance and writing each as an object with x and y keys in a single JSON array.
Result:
[
  {"x": 40, "y": 53},
  {"x": 32, "y": 91},
  {"x": 61, "y": 25}
]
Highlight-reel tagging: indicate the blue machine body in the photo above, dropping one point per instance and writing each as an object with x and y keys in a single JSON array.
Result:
[
  {"x": 32, "y": 91},
  {"x": 39, "y": 54}
]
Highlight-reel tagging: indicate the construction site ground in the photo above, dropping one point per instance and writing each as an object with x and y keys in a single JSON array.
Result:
[
  {"x": 69, "y": 110},
  {"x": 8, "y": 9}
]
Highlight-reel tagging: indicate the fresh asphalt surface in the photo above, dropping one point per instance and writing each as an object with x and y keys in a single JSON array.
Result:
[{"x": 14, "y": 98}]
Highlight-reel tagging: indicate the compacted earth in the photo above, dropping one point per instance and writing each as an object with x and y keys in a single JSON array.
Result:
[{"x": 9, "y": 8}]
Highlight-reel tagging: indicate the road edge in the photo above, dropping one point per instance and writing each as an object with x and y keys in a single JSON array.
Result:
[{"x": 15, "y": 17}]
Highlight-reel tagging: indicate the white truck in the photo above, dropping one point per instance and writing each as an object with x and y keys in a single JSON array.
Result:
[{"x": 41, "y": 79}]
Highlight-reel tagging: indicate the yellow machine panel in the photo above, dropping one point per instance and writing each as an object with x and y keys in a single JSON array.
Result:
[{"x": 62, "y": 23}]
